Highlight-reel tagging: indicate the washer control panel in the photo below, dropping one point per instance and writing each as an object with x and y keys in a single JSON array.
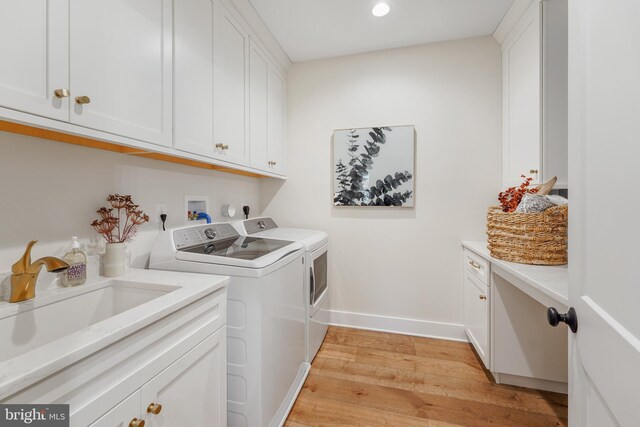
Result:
[
  {"x": 259, "y": 224},
  {"x": 203, "y": 233}
]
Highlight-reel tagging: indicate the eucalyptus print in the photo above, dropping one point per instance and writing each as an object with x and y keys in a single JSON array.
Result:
[{"x": 359, "y": 182}]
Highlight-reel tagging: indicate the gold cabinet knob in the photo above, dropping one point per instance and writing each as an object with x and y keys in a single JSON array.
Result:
[
  {"x": 81, "y": 100},
  {"x": 483, "y": 297},
  {"x": 154, "y": 408},
  {"x": 61, "y": 93},
  {"x": 225, "y": 147},
  {"x": 272, "y": 163},
  {"x": 533, "y": 170},
  {"x": 136, "y": 423},
  {"x": 222, "y": 146}
]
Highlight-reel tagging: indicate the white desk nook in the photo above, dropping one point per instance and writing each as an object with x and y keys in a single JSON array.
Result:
[{"x": 506, "y": 318}]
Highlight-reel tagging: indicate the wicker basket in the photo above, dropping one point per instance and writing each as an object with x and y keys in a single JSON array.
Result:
[{"x": 529, "y": 238}]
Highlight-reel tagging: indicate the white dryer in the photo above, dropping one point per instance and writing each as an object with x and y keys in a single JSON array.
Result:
[
  {"x": 266, "y": 315},
  {"x": 316, "y": 285}
]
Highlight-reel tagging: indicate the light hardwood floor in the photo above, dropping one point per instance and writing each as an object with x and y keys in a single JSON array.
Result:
[{"x": 365, "y": 378}]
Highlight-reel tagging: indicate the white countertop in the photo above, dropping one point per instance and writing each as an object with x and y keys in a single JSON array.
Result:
[
  {"x": 551, "y": 280},
  {"x": 32, "y": 366}
]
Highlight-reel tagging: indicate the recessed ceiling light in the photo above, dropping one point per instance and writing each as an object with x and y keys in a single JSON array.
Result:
[{"x": 380, "y": 9}]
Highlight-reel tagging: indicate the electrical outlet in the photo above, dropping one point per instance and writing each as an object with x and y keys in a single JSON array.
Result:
[{"x": 161, "y": 208}]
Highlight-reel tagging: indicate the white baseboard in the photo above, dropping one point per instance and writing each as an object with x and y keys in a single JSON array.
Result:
[
  {"x": 528, "y": 382},
  {"x": 397, "y": 325}
]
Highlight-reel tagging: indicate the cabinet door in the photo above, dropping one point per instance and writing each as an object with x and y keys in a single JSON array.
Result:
[
  {"x": 123, "y": 414},
  {"x": 192, "y": 391},
  {"x": 477, "y": 316},
  {"x": 521, "y": 100},
  {"x": 120, "y": 60},
  {"x": 194, "y": 24},
  {"x": 275, "y": 114},
  {"x": 258, "y": 149},
  {"x": 34, "y": 52},
  {"x": 231, "y": 89}
]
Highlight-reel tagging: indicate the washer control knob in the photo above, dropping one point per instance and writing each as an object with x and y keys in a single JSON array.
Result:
[
  {"x": 262, "y": 224},
  {"x": 210, "y": 233}
]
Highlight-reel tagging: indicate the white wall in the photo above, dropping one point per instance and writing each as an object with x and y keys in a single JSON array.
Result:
[
  {"x": 402, "y": 263},
  {"x": 50, "y": 191}
]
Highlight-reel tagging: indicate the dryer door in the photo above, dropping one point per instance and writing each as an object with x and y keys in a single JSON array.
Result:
[{"x": 318, "y": 279}]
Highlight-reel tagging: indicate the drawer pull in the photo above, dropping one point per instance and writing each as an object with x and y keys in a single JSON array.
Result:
[
  {"x": 61, "y": 93},
  {"x": 484, "y": 297},
  {"x": 154, "y": 408},
  {"x": 474, "y": 264},
  {"x": 136, "y": 423},
  {"x": 81, "y": 100}
]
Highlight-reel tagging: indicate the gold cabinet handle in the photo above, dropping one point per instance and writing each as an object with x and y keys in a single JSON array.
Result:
[
  {"x": 136, "y": 423},
  {"x": 154, "y": 408},
  {"x": 61, "y": 93},
  {"x": 474, "y": 264},
  {"x": 81, "y": 100},
  {"x": 483, "y": 297},
  {"x": 533, "y": 170}
]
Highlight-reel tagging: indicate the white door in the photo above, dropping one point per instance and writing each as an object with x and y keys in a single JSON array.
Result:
[
  {"x": 126, "y": 414},
  {"x": 231, "y": 95},
  {"x": 275, "y": 113},
  {"x": 604, "y": 89},
  {"x": 34, "y": 53},
  {"x": 120, "y": 65},
  {"x": 192, "y": 392},
  {"x": 521, "y": 100},
  {"x": 258, "y": 149},
  {"x": 194, "y": 24}
]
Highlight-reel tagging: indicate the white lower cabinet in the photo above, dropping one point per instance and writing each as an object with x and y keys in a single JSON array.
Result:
[
  {"x": 126, "y": 414},
  {"x": 189, "y": 393},
  {"x": 477, "y": 304},
  {"x": 477, "y": 316},
  {"x": 192, "y": 391},
  {"x": 477, "y": 308}
]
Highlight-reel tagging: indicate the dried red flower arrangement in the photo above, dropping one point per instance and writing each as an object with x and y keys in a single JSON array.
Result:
[
  {"x": 511, "y": 197},
  {"x": 122, "y": 225}
]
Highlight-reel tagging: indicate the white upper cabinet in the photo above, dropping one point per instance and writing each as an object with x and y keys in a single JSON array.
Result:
[
  {"x": 194, "y": 36},
  {"x": 120, "y": 65},
  {"x": 521, "y": 100},
  {"x": 534, "y": 93},
  {"x": 34, "y": 47},
  {"x": 231, "y": 89},
  {"x": 258, "y": 70},
  {"x": 276, "y": 115},
  {"x": 267, "y": 91}
]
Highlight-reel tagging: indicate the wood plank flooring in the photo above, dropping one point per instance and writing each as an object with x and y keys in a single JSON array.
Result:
[{"x": 365, "y": 378}]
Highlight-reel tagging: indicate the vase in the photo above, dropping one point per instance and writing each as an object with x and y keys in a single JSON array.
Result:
[{"x": 114, "y": 260}]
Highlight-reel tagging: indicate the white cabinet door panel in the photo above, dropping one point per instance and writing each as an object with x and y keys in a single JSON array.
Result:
[
  {"x": 193, "y": 75},
  {"x": 258, "y": 150},
  {"x": 521, "y": 101},
  {"x": 275, "y": 138},
  {"x": 477, "y": 319},
  {"x": 231, "y": 95},
  {"x": 193, "y": 390},
  {"x": 34, "y": 52},
  {"x": 120, "y": 57},
  {"x": 122, "y": 414}
]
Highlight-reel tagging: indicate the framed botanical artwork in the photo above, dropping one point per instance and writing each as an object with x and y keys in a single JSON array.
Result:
[{"x": 374, "y": 166}]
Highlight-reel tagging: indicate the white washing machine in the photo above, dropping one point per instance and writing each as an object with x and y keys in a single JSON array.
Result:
[
  {"x": 315, "y": 284},
  {"x": 266, "y": 314}
]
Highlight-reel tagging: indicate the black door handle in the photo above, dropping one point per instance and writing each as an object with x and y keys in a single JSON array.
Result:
[{"x": 570, "y": 318}]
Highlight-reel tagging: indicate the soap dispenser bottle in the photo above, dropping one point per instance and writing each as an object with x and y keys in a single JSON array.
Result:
[{"x": 76, "y": 274}]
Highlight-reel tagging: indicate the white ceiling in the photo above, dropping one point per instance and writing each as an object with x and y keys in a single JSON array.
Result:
[{"x": 313, "y": 29}]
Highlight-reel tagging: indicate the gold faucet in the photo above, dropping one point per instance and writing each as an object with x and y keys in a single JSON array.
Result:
[{"x": 25, "y": 273}]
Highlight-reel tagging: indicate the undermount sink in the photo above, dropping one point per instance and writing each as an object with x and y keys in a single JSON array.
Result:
[{"x": 37, "y": 326}]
